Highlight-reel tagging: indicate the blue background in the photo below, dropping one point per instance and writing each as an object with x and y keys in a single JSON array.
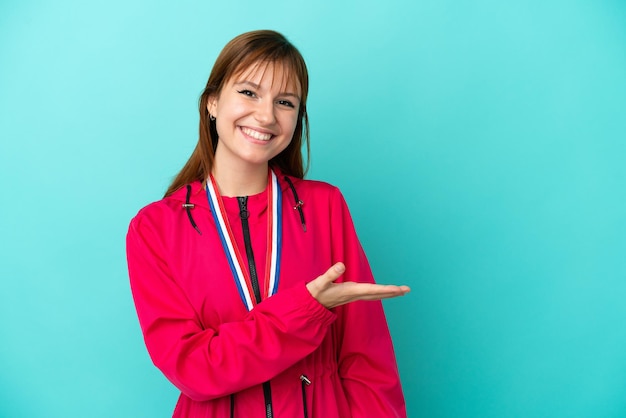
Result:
[{"x": 480, "y": 146}]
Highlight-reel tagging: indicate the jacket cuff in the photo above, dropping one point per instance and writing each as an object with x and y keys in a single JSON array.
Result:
[
  {"x": 298, "y": 304},
  {"x": 318, "y": 311}
]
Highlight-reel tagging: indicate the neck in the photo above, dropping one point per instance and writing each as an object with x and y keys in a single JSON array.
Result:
[{"x": 240, "y": 181}]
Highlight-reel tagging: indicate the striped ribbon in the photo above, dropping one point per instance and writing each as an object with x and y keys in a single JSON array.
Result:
[{"x": 274, "y": 241}]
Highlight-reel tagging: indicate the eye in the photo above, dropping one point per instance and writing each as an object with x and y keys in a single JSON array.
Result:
[
  {"x": 248, "y": 93},
  {"x": 286, "y": 103}
]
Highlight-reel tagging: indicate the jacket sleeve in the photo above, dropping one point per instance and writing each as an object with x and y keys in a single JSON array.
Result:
[
  {"x": 206, "y": 363},
  {"x": 367, "y": 363}
]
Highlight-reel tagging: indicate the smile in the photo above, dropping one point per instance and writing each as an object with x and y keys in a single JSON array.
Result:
[{"x": 256, "y": 134}]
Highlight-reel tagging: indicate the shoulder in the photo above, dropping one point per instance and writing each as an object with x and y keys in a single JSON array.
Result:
[
  {"x": 318, "y": 198},
  {"x": 163, "y": 210},
  {"x": 313, "y": 188},
  {"x": 155, "y": 210}
]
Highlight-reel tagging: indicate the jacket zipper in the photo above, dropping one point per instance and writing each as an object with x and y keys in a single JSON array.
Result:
[{"x": 244, "y": 215}]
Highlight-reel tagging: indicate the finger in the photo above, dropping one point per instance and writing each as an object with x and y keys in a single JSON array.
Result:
[
  {"x": 370, "y": 291},
  {"x": 387, "y": 294}
]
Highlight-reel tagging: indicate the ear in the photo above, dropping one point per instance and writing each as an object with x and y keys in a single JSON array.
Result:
[{"x": 211, "y": 105}]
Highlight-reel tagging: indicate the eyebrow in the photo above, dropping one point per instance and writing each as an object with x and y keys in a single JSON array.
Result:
[{"x": 258, "y": 87}]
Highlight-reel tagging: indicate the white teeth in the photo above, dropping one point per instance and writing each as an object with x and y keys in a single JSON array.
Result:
[{"x": 256, "y": 135}]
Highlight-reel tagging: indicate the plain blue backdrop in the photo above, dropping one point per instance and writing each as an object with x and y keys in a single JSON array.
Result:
[{"x": 480, "y": 146}]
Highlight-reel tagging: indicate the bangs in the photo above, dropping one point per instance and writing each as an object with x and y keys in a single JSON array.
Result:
[
  {"x": 281, "y": 75},
  {"x": 285, "y": 62}
]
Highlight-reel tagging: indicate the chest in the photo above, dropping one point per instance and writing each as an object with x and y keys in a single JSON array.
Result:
[{"x": 201, "y": 267}]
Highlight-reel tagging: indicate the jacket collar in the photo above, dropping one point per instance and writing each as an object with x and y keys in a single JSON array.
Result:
[{"x": 198, "y": 195}]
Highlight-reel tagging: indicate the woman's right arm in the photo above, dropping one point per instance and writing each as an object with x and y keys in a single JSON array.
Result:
[{"x": 206, "y": 363}]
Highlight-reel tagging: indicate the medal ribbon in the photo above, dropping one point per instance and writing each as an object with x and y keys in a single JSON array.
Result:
[{"x": 274, "y": 240}]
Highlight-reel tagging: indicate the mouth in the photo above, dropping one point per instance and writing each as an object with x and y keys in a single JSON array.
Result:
[{"x": 261, "y": 136}]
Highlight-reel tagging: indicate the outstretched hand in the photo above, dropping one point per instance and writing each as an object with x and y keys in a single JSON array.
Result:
[{"x": 331, "y": 294}]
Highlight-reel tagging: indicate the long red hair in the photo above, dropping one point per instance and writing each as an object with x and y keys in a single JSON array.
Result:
[{"x": 241, "y": 53}]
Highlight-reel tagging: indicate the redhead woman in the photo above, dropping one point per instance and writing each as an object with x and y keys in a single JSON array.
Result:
[{"x": 253, "y": 293}]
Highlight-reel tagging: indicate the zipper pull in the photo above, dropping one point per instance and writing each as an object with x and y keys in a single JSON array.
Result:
[
  {"x": 243, "y": 207},
  {"x": 305, "y": 380}
]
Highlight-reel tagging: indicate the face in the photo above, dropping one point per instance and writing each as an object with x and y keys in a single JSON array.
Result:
[{"x": 256, "y": 115}]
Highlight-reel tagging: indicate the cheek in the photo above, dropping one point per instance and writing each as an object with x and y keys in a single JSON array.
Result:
[
  {"x": 230, "y": 108},
  {"x": 290, "y": 123}
]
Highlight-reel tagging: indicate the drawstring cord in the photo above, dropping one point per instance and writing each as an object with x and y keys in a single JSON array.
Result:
[
  {"x": 299, "y": 202},
  {"x": 188, "y": 206}
]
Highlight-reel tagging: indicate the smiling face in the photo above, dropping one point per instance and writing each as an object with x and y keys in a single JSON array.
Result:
[{"x": 256, "y": 115}]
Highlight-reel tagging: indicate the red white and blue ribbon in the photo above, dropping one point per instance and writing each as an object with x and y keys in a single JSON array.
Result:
[{"x": 233, "y": 255}]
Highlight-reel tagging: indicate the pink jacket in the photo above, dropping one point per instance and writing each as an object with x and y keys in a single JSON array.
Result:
[{"x": 200, "y": 335}]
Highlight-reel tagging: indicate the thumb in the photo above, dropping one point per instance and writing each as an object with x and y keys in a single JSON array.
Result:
[{"x": 334, "y": 272}]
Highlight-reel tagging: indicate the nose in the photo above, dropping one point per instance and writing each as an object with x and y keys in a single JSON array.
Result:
[{"x": 264, "y": 113}]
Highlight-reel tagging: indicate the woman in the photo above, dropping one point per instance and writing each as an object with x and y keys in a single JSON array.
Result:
[{"x": 250, "y": 283}]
